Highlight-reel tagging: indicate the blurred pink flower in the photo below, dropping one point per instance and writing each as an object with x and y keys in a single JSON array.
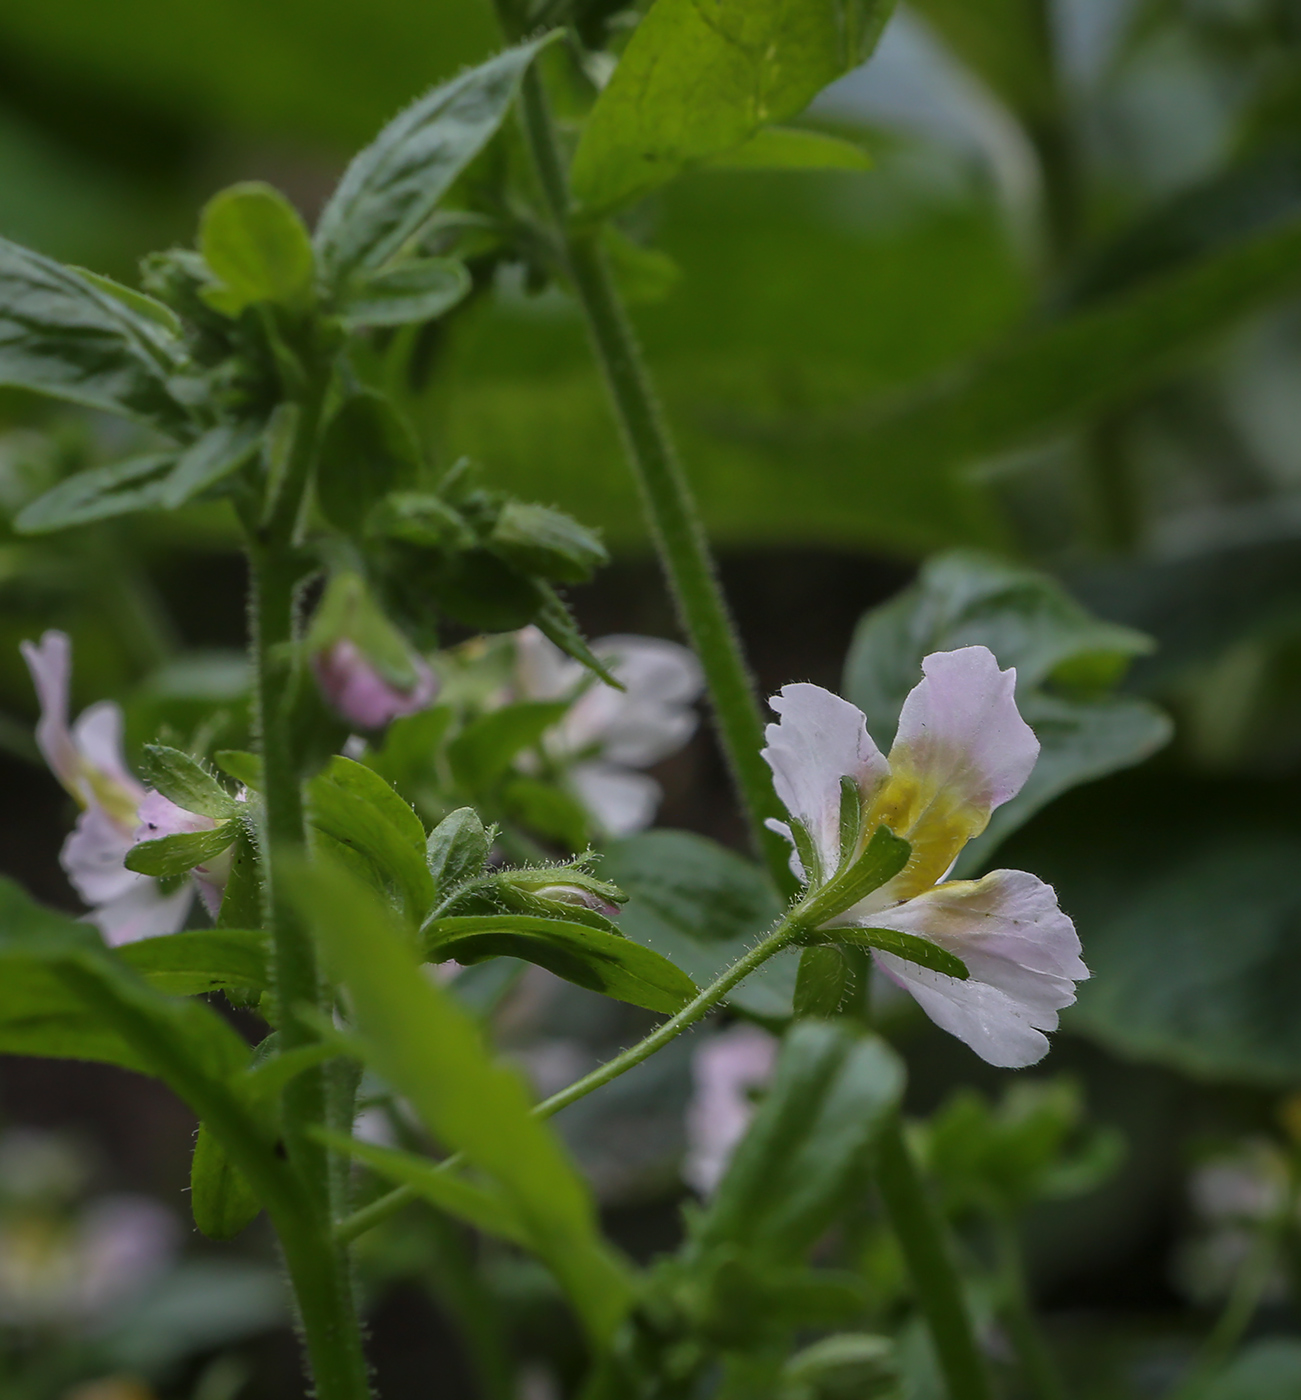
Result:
[
  {"x": 962, "y": 749},
  {"x": 353, "y": 686},
  {"x": 726, "y": 1071}
]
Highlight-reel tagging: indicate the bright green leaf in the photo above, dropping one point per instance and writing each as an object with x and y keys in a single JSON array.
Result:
[
  {"x": 255, "y": 241},
  {"x": 184, "y": 781},
  {"x": 222, "y": 1200},
  {"x": 794, "y": 148},
  {"x": 180, "y": 853},
  {"x": 196, "y": 961}
]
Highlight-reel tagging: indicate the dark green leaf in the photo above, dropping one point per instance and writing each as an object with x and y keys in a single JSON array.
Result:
[
  {"x": 432, "y": 1052},
  {"x": 702, "y": 907},
  {"x": 241, "y": 765},
  {"x": 808, "y": 1143},
  {"x": 254, "y": 240},
  {"x": 588, "y": 957},
  {"x": 139, "y": 483},
  {"x": 220, "y": 1196},
  {"x": 61, "y": 335},
  {"x": 457, "y": 849},
  {"x": 392, "y": 187},
  {"x": 547, "y": 542},
  {"x": 218, "y": 453},
  {"x": 1265, "y": 1370},
  {"x": 419, "y": 290},
  {"x": 367, "y": 451},
  {"x": 556, "y": 622},
  {"x": 794, "y": 148},
  {"x": 420, "y": 518},
  {"x": 201, "y": 960},
  {"x": 184, "y": 781},
  {"x": 180, "y": 853},
  {"x": 693, "y": 84},
  {"x": 355, "y": 807},
  {"x": 907, "y": 945},
  {"x": 882, "y": 859},
  {"x": 824, "y": 983},
  {"x": 487, "y": 746},
  {"x": 1008, "y": 44}
]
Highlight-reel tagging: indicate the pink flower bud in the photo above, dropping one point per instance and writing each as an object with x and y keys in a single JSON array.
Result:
[
  {"x": 576, "y": 894},
  {"x": 361, "y": 695}
]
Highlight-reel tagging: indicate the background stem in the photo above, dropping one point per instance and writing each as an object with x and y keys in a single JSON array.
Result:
[{"x": 1033, "y": 1352}]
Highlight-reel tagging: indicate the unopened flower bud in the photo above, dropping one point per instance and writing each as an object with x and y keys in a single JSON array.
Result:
[
  {"x": 356, "y": 689},
  {"x": 574, "y": 894}
]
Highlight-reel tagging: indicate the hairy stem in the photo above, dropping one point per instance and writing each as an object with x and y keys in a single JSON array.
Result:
[
  {"x": 926, "y": 1248},
  {"x": 781, "y": 937},
  {"x": 666, "y": 498}
]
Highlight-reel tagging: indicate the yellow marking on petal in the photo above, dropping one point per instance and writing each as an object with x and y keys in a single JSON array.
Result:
[
  {"x": 933, "y": 820},
  {"x": 119, "y": 802}
]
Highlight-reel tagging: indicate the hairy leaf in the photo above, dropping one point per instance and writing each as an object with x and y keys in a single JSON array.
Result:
[
  {"x": 180, "y": 853},
  {"x": 184, "y": 781}
]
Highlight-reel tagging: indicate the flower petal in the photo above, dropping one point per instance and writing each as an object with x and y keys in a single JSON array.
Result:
[
  {"x": 354, "y": 687},
  {"x": 621, "y": 800},
  {"x": 961, "y": 750},
  {"x": 820, "y": 739},
  {"x": 653, "y": 717},
  {"x": 725, "y": 1070},
  {"x": 1021, "y": 951},
  {"x": 542, "y": 670},
  {"x": 144, "y": 911},
  {"x": 93, "y": 856},
  {"x": 50, "y": 662}
]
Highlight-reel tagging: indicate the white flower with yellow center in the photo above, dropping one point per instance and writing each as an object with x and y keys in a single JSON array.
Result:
[{"x": 962, "y": 749}]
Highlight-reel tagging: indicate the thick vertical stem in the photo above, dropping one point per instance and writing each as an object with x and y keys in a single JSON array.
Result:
[
  {"x": 925, "y": 1246},
  {"x": 666, "y": 497}
]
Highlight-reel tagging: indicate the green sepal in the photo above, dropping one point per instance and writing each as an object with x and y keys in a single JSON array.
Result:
[
  {"x": 906, "y": 945},
  {"x": 883, "y": 858},
  {"x": 420, "y": 518},
  {"x": 222, "y": 1201},
  {"x": 184, "y": 781},
  {"x": 543, "y": 541},
  {"x": 180, "y": 853},
  {"x": 244, "y": 767}
]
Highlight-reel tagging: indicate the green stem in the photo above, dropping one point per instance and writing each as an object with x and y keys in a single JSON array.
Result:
[
  {"x": 318, "y": 1266},
  {"x": 781, "y": 937},
  {"x": 1028, "y": 1340},
  {"x": 666, "y": 497},
  {"x": 925, "y": 1245}
]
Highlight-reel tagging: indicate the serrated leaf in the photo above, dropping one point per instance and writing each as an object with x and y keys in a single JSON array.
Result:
[
  {"x": 216, "y": 455},
  {"x": 139, "y": 483},
  {"x": 184, "y": 781},
  {"x": 62, "y": 335},
  {"x": 178, "y": 854},
  {"x": 419, "y": 290},
  {"x": 588, "y": 957},
  {"x": 393, "y": 186},
  {"x": 695, "y": 82}
]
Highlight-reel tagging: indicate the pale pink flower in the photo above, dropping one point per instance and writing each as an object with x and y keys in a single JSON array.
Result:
[
  {"x": 355, "y": 688},
  {"x": 607, "y": 734},
  {"x": 726, "y": 1071},
  {"x": 962, "y": 749}
]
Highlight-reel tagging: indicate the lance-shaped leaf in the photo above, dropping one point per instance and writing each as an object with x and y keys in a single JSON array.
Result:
[
  {"x": 374, "y": 830},
  {"x": 700, "y": 79},
  {"x": 139, "y": 483},
  {"x": 1028, "y": 621},
  {"x": 169, "y": 856},
  {"x": 432, "y": 1052},
  {"x": 393, "y": 186},
  {"x": 62, "y": 335},
  {"x": 907, "y": 945},
  {"x": 185, "y": 781},
  {"x": 215, "y": 456},
  {"x": 419, "y": 290},
  {"x": 808, "y": 1142},
  {"x": 196, "y": 961},
  {"x": 588, "y": 957}
]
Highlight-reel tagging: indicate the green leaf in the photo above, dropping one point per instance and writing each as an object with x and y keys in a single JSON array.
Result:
[
  {"x": 1028, "y": 621},
  {"x": 884, "y": 856},
  {"x": 588, "y": 957},
  {"x": 457, "y": 849},
  {"x": 162, "y": 316},
  {"x": 794, "y": 148},
  {"x": 694, "y": 83},
  {"x": 485, "y": 1207},
  {"x": 824, "y": 983},
  {"x": 1265, "y": 1370},
  {"x": 907, "y": 945},
  {"x": 702, "y": 906},
  {"x": 244, "y": 767},
  {"x": 215, "y": 456},
  {"x": 184, "y": 781},
  {"x": 432, "y": 1052},
  {"x": 356, "y": 808},
  {"x": 543, "y": 541},
  {"x": 393, "y": 186},
  {"x": 139, "y": 483},
  {"x": 202, "y": 960},
  {"x": 255, "y": 241},
  {"x": 366, "y": 452},
  {"x": 487, "y": 746},
  {"x": 180, "y": 853},
  {"x": 419, "y": 290},
  {"x": 222, "y": 1200},
  {"x": 807, "y": 1146},
  {"x": 62, "y": 335},
  {"x": 556, "y": 623}
]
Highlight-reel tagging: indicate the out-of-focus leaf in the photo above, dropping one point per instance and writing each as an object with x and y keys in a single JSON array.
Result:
[
  {"x": 807, "y": 1144},
  {"x": 139, "y": 483},
  {"x": 1008, "y": 43},
  {"x": 393, "y": 186},
  {"x": 201, "y": 960},
  {"x": 353, "y": 806},
  {"x": 702, "y": 907},
  {"x": 419, "y": 290},
  {"x": 588, "y": 957},
  {"x": 794, "y": 148},
  {"x": 255, "y": 241},
  {"x": 61, "y": 335},
  {"x": 1265, "y": 1370},
  {"x": 548, "y": 542},
  {"x": 214, "y": 457},
  {"x": 1028, "y": 621},
  {"x": 487, "y": 746},
  {"x": 432, "y": 1052},
  {"x": 694, "y": 83},
  {"x": 366, "y": 451},
  {"x": 220, "y": 1196}
]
